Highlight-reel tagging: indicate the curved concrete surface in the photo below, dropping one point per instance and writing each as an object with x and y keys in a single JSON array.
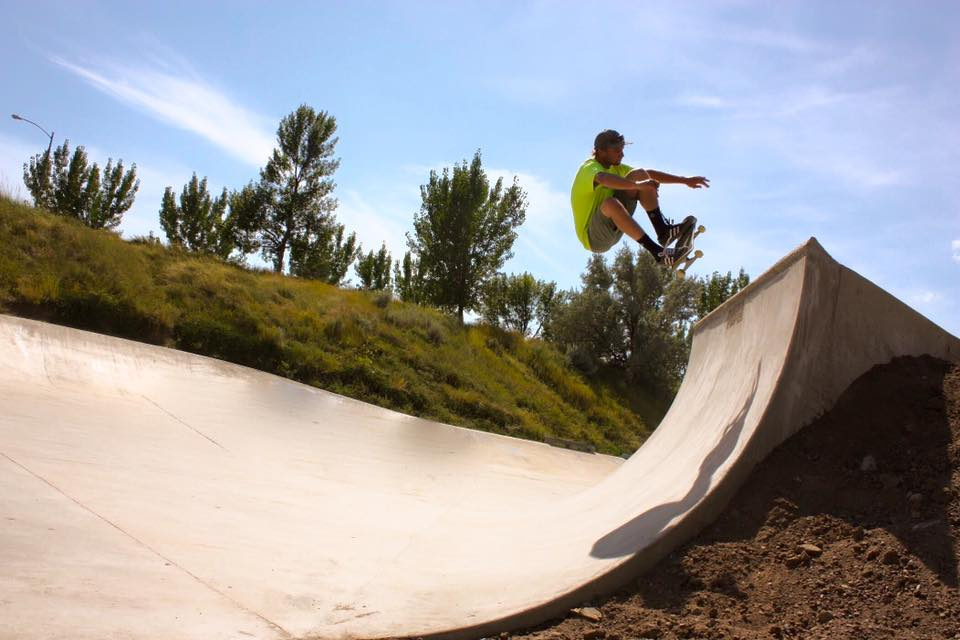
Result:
[{"x": 148, "y": 493}]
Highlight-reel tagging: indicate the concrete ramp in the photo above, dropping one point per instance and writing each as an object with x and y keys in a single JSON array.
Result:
[{"x": 149, "y": 493}]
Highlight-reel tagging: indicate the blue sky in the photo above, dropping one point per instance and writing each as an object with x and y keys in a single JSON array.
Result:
[{"x": 834, "y": 120}]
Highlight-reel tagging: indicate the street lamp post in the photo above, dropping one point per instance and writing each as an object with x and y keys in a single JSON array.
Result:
[{"x": 49, "y": 135}]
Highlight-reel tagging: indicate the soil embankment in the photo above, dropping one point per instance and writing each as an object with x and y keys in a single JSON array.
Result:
[{"x": 849, "y": 530}]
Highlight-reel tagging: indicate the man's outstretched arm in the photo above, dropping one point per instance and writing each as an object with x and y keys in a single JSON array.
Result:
[
  {"x": 613, "y": 181},
  {"x": 695, "y": 182}
]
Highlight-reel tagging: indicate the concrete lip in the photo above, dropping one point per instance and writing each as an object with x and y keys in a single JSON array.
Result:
[{"x": 150, "y": 493}]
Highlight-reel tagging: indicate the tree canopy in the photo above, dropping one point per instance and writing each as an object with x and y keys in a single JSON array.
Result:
[
  {"x": 70, "y": 186},
  {"x": 373, "y": 269},
  {"x": 293, "y": 209},
  {"x": 635, "y": 316},
  {"x": 196, "y": 221},
  {"x": 463, "y": 234},
  {"x": 520, "y": 302}
]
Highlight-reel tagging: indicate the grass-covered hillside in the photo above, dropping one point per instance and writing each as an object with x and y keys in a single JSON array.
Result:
[{"x": 363, "y": 345}]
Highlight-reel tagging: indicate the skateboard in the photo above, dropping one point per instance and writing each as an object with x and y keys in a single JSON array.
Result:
[{"x": 680, "y": 267}]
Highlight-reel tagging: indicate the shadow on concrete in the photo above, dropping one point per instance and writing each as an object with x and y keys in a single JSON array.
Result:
[{"x": 623, "y": 540}]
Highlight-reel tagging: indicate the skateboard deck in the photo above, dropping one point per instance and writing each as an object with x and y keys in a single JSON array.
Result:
[{"x": 680, "y": 267}]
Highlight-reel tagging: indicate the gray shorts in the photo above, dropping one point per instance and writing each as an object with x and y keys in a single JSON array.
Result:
[{"x": 601, "y": 231}]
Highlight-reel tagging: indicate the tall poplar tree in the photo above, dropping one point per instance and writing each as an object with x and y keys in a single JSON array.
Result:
[
  {"x": 463, "y": 233},
  {"x": 295, "y": 202}
]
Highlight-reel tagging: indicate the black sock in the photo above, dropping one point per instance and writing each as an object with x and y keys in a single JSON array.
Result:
[
  {"x": 656, "y": 217},
  {"x": 647, "y": 243}
]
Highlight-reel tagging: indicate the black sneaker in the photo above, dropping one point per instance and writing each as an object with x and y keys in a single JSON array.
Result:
[
  {"x": 675, "y": 231},
  {"x": 669, "y": 257}
]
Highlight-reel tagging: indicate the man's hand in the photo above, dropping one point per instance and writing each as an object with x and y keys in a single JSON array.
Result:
[{"x": 697, "y": 182}]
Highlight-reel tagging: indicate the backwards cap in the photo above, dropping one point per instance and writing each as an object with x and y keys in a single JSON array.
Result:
[{"x": 608, "y": 138}]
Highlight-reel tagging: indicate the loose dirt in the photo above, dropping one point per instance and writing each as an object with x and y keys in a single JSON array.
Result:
[{"x": 850, "y": 529}]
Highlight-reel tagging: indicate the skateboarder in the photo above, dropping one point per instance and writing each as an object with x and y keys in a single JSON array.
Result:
[{"x": 604, "y": 198}]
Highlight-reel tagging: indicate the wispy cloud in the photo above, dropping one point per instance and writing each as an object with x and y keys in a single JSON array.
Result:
[
  {"x": 705, "y": 102},
  {"x": 772, "y": 39},
  {"x": 182, "y": 99},
  {"x": 925, "y": 297},
  {"x": 836, "y": 134},
  {"x": 778, "y": 103},
  {"x": 955, "y": 246}
]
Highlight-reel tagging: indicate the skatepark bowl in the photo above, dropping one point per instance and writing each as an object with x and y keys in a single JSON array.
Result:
[{"x": 151, "y": 493}]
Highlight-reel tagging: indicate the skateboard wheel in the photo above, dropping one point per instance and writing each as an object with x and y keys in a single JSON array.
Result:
[
  {"x": 697, "y": 254},
  {"x": 681, "y": 274},
  {"x": 701, "y": 229}
]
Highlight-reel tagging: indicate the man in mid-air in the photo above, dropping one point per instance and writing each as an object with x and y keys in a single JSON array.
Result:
[{"x": 604, "y": 198}]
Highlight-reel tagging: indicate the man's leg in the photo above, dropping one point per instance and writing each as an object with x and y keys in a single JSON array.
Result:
[
  {"x": 614, "y": 209},
  {"x": 649, "y": 199}
]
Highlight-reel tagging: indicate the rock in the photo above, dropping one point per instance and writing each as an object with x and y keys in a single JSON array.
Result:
[
  {"x": 594, "y": 634},
  {"x": 824, "y": 617},
  {"x": 590, "y": 613},
  {"x": 890, "y": 557},
  {"x": 858, "y": 534},
  {"x": 869, "y": 464},
  {"x": 811, "y": 549},
  {"x": 794, "y": 561}
]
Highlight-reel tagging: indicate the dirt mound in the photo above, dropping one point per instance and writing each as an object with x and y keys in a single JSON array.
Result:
[{"x": 848, "y": 530}]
